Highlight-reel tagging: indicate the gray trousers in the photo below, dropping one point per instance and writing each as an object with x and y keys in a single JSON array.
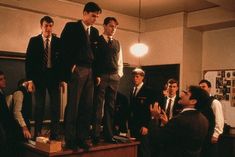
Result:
[
  {"x": 105, "y": 102},
  {"x": 79, "y": 108}
]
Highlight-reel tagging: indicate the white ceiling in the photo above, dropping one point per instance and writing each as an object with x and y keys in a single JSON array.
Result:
[{"x": 151, "y": 8}]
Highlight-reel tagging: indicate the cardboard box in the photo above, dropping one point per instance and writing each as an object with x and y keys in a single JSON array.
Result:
[{"x": 50, "y": 147}]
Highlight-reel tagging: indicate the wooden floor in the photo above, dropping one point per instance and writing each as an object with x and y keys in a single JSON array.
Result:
[{"x": 101, "y": 150}]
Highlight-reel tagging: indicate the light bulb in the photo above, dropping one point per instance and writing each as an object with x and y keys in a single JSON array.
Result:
[{"x": 139, "y": 49}]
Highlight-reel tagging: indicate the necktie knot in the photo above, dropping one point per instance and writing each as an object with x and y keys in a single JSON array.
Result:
[
  {"x": 45, "y": 58},
  {"x": 88, "y": 34},
  {"x": 109, "y": 41},
  {"x": 47, "y": 43},
  {"x": 88, "y": 31},
  {"x": 135, "y": 91}
]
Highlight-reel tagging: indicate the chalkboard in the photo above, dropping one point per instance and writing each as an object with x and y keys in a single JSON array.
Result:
[{"x": 13, "y": 66}]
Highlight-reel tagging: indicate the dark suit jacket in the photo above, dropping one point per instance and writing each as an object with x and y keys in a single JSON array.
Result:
[
  {"x": 74, "y": 47},
  {"x": 177, "y": 108},
  {"x": 182, "y": 136},
  {"x": 34, "y": 58},
  {"x": 139, "y": 110}
]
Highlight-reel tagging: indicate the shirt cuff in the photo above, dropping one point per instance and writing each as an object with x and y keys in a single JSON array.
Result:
[{"x": 215, "y": 134}]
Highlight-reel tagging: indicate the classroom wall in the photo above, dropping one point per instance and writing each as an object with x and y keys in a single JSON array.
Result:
[
  {"x": 20, "y": 21},
  {"x": 192, "y": 58},
  {"x": 219, "y": 49},
  {"x": 219, "y": 54}
]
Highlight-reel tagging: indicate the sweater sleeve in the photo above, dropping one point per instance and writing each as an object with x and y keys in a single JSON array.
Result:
[{"x": 17, "y": 107}]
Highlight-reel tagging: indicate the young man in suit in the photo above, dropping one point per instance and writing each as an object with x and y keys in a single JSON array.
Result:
[
  {"x": 140, "y": 99},
  {"x": 211, "y": 146},
  {"x": 184, "y": 134},
  {"x": 108, "y": 69},
  {"x": 170, "y": 103},
  {"x": 42, "y": 58},
  {"x": 79, "y": 39}
]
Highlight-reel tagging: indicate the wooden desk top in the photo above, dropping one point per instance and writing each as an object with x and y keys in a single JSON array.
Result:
[{"x": 99, "y": 147}]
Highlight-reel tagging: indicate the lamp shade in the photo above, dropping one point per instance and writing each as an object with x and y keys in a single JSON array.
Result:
[{"x": 139, "y": 49}]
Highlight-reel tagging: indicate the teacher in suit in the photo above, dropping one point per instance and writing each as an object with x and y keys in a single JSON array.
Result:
[
  {"x": 184, "y": 134},
  {"x": 79, "y": 39},
  {"x": 42, "y": 58}
]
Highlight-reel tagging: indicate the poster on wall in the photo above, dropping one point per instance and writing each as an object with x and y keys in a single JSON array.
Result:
[
  {"x": 223, "y": 88},
  {"x": 223, "y": 85}
]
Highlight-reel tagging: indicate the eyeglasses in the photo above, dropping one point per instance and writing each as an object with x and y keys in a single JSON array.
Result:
[{"x": 185, "y": 91}]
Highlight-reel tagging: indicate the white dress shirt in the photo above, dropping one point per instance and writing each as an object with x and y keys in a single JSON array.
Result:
[
  {"x": 86, "y": 27},
  {"x": 49, "y": 50},
  {"x": 188, "y": 109},
  {"x": 219, "y": 117},
  {"x": 138, "y": 88},
  {"x": 172, "y": 105}
]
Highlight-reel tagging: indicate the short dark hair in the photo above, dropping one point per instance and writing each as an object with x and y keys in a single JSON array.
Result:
[
  {"x": 92, "y": 7},
  {"x": 108, "y": 19},
  {"x": 171, "y": 81},
  {"x": 206, "y": 82},
  {"x": 200, "y": 95},
  {"x": 48, "y": 19},
  {"x": 165, "y": 87}
]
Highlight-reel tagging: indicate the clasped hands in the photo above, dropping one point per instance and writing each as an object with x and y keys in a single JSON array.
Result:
[{"x": 158, "y": 113}]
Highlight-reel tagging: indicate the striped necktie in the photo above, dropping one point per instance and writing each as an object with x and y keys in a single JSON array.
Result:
[
  {"x": 45, "y": 58},
  {"x": 110, "y": 41},
  {"x": 168, "y": 110}
]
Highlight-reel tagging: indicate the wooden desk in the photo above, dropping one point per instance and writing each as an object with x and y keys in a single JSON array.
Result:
[{"x": 102, "y": 150}]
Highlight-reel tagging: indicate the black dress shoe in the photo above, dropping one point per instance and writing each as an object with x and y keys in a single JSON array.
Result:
[
  {"x": 83, "y": 144},
  {"x": 112, "y": 140}
]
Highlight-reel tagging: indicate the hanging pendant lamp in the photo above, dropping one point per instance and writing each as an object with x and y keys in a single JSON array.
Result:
[{"x": 139, "y": 49}]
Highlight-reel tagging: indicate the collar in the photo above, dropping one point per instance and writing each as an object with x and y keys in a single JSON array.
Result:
[
  {"x": 85, "y": 26},
  {"x": 172, "y": 98},
  {"x": 188, "y": 109},
  {"x": 140, "y": 85},
  {"x": 44, "y": 38},
  {"x": 107, "y": 37}
]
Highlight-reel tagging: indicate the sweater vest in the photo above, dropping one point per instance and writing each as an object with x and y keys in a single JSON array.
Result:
[{"x": 108, "y": 56}]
